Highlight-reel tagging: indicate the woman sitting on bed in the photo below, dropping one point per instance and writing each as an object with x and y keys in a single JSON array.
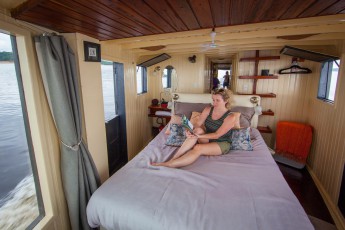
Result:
[{"x": 215, "y": 140}]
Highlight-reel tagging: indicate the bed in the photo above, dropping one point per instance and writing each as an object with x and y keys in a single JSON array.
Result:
[{"x": 239, "y": 190}]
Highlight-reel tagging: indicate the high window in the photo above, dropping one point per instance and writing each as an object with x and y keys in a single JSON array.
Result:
[
  {"x": 141, "y": 80},
  {"x": 328, "y": 80},
  {"x": 21, "y": 205},
  {"x": 108, "y": 89}
]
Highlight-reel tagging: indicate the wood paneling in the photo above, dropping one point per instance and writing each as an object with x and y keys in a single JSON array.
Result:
[{"x": 133, "y": 18}]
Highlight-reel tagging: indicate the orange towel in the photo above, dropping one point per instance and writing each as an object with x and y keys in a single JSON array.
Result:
[{"x": 293, "y": 140}]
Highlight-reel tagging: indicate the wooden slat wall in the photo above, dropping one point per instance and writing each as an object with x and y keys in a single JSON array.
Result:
[
  {"x": 327, "y": 155},
  {"x": 291, "y": 89}
]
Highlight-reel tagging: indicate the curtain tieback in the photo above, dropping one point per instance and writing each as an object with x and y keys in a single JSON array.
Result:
[{"x": 74, "y": 147}]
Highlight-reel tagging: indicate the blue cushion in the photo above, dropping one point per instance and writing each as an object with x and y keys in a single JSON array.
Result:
[
  {"x": 177, "y": 135},
  {"x": 240, "y": 139}
]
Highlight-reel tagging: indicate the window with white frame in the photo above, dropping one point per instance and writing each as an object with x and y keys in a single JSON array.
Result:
[
  {"x": 141, "y": 79},
  {"x": 328, "y": 80},
  {"x": 21, "y": 205}
]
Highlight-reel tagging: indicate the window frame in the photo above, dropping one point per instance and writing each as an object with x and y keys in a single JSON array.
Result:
[
  {"x": 325, "y": 80},
  {"x": 44, "y": 136},
  {"x": 25, "y": 116}
]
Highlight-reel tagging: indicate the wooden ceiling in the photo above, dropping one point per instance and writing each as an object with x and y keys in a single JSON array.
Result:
[
  {"x": 184, "y": 26},
  {"x": 114, "y": 19}
]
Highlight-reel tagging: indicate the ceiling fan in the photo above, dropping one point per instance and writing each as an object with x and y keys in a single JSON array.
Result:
[{"x": 212, "y": 44}]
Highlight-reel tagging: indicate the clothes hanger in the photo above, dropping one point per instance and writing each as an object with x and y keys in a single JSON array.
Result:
[{"x": 295, "y": 68}]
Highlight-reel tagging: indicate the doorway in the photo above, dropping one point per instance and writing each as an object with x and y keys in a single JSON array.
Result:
[
  {"x": 115, "y": 114},
  {"x": 219, "y": 71}
]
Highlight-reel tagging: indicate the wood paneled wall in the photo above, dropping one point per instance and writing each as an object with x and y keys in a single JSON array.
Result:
[
  {"x": 291, "y": 89},
  {"x": 327, "y": 155}
]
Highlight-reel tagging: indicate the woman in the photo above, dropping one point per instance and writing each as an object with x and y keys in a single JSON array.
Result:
[{"x": 215, "y": 140}]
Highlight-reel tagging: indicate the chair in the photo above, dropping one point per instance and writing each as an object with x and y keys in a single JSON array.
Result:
[{"x": 293, "y": 141}]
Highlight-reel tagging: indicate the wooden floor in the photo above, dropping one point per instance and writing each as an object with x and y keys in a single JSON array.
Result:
[{"x": 306, "y": 191}]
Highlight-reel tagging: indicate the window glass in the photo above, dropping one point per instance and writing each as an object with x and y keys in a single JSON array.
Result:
[
  {"x": 328, "y": 80},
  {"x": 108, "y": 89},
  {"x": 21, "y": 205},
  {"x": 141, "y": 79}
]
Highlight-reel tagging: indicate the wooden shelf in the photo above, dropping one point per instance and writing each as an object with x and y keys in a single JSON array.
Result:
[
  {"x": 258, "y": 77},
  {"x": 154, "y": 108},
  {"x": 268, "y": 113},
  {"x": 264, "y": 129},
  {"x": 260, "y": 58},
  {"x": 271, "y": 95}
]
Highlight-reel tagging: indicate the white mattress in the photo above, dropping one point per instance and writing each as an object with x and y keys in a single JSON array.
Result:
[{"x": 240, "y": 190}]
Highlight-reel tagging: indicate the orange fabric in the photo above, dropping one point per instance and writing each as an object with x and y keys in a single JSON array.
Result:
[{"x": 293, "y": 140}]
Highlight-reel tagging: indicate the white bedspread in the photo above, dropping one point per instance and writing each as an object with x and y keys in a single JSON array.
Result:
[{"x": 241, "y": 190}]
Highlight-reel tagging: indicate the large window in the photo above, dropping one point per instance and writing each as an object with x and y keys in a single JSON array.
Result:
[
  {"x": 328, "y": 80},
  {"x": 21, "y": 204},
  {"x": 108, "y": 89},
  {"x": 141, "y": 79}
]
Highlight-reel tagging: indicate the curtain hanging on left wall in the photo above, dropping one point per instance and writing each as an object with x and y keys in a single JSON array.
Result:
[{"x": 79, "y": 174}]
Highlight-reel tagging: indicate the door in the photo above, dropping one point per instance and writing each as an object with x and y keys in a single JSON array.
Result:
[{"x": 115, "y": 114}]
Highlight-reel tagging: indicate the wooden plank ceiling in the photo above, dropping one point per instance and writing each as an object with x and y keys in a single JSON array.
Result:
[{"x": 122, "y": 19}]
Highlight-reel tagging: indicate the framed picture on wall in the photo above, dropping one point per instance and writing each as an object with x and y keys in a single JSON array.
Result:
[{"x": 92, "y": 51}]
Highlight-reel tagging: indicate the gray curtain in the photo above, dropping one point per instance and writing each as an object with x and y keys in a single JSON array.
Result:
[{"x": 79, "y": 175}]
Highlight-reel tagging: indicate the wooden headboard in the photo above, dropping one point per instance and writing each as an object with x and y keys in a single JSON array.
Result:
[{"x": 238, "y": 100}]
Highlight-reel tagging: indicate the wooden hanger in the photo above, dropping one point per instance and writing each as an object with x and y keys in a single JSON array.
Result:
[{"x": 295, "y": 68}]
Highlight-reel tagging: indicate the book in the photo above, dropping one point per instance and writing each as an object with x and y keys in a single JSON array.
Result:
[{"x": 187, "y": 124}]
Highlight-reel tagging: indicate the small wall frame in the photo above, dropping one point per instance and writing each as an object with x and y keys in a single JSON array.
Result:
[{"x": 92, "y": 51}]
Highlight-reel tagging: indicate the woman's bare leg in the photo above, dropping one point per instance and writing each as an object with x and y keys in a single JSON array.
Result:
[
  {"x": 188, "y": 144},
  {"x": 210, "y": 149}
]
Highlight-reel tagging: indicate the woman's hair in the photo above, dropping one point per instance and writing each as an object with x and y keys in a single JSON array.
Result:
[{"x": 226, "y": 95}]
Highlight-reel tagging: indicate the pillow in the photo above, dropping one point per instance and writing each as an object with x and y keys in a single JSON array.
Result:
[
  {"x": 240, "y": 139},
  {"x": 174, "y": 119},
  {"x": 177, "y": 135},
  {"x": 246, "y": 115},
  {"x": 185, "y": 108}
]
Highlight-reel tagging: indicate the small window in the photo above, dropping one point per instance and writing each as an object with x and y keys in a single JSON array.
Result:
[
  {"x": 328, "y": 80},
  {"x": 108, "y": 85},
  {"x": 141, "y": 79},
  {"x": 166, "y": 78}
]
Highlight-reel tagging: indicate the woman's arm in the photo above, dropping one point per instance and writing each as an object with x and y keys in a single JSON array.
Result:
[
  {"x": 229, "y": 123},
  {"x": 202, "y": 117}
]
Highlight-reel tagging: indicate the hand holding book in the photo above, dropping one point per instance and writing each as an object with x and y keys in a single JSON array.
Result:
[{"x": 187, "y": 124}]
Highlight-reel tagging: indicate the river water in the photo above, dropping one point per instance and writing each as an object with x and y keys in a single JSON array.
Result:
[{"x": 14, "y": 157}]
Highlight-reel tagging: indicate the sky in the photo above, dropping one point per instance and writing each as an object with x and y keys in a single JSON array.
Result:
[{"x": 5, "y": 43}]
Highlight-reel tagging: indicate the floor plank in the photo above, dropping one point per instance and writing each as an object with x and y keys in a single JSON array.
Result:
[{"x": 306, "y": 192}]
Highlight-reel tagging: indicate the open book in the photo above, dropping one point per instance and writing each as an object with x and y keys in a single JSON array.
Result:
[{"x": 187, "y": 124}]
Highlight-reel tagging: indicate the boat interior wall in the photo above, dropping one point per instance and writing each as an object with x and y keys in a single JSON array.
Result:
[{"x": 327, "y": 155}]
